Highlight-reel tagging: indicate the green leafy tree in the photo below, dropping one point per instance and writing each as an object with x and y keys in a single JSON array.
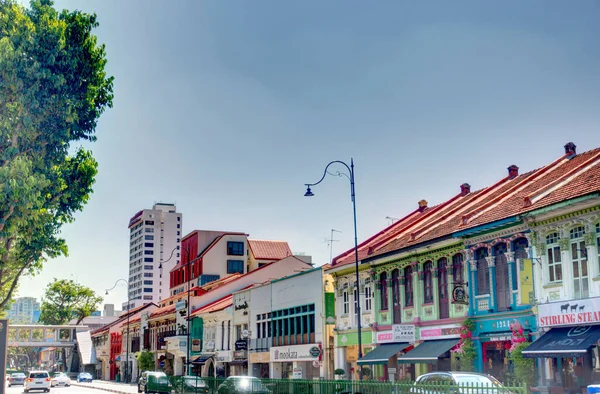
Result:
[
  {"x": 65, "y": 300},
  {"x": 53, "y": 89},
  {"x": 145, "y": 361}
]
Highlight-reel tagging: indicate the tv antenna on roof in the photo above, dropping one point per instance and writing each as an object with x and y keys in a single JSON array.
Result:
[
  {"x": 330, "y": 242},
  {"x": 391, "y": 219}
]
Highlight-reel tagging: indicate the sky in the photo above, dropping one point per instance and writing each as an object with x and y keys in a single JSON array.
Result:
[{"x": 228, "y": 108}]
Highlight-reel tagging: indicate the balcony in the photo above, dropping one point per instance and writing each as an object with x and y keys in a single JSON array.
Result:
[{"x": 160, "y": 339}]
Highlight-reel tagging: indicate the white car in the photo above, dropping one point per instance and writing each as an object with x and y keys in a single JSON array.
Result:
[
  {"x": 37, "y": 380},
  {"x": 60, "y": 379}
]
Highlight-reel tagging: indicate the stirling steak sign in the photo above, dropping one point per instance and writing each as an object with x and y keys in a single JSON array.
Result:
[{"x": 569, "y": 313}]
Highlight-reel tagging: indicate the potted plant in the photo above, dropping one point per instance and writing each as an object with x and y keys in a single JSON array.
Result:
[{"x": 339, "y": 374}]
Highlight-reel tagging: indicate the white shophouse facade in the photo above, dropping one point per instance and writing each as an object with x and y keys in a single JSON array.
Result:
[{"x": 287, "y": 328}]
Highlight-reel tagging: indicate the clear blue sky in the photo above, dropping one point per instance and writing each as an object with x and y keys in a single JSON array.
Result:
[{"x": 228, "y": 107}]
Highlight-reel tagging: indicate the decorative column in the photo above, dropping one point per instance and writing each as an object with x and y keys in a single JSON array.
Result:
[
  {"x": 567, "y": 266},
  {"x": 592, "y": 258},
  {"x": 492, "y": 272},
  {"x": 417, "y": 290},
  {"x": 472, "y": 268},
  {"x": 512, "y": 281}
]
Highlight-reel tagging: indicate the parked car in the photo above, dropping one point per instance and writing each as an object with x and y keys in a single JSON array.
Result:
[
  {"x": 154, "y": 382},
  {"x": 192, "y": 384},
  {"x": 16, "y": 379},
  {"x": 242, "y": 384},
  {"x": 457, "y": 382},
  {"x": 60, "y": 379},
  {"x": 84, "y": 377},
  {"x": 37, "y": 380}
]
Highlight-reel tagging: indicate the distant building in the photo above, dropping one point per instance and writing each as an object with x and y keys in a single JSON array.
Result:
[
  {"x": 155, "y": 238},
  {"x": 109, "y": 311},
  {"x": 96, "y": 313},
  {"x": 25, "y": 310}
]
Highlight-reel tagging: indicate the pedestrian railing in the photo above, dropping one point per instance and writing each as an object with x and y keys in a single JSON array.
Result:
[{"x": 247, "y": 385}]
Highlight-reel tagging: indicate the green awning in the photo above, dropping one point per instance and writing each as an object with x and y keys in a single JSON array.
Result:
[
  {"x": 382, "y": 353},
  {"x": 428, "y": 352}
]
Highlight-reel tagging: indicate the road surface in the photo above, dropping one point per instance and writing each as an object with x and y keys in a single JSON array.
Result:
[{"x": 94, "y": 388}]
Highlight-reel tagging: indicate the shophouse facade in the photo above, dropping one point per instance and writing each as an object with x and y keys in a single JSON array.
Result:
[
  {"x": 280, "y": 328},
  {"x": 566, "y": 240},
  {"x": 469, "y": 257},
  {"x": 166, "y": 328}
]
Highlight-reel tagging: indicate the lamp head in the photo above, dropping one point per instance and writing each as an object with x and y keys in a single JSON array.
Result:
[
  {"x": 309, "y": 192},
  {"x": 106, "y": 292}
]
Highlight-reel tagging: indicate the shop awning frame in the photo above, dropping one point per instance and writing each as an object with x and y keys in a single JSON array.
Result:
[
  {"x": 202, "y": 359},
  {"x": 382, "y": 353},
  {"x": 428, "y": 352},
  {"x": 564, "y": 342}
]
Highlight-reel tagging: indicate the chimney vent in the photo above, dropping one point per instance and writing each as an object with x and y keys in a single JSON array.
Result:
[
  {"x": 465, "y": 189},
  {"x": 422, "y": 205},
  {"x": 513, "y": 171},
  {"x": 570, "y": 149}
]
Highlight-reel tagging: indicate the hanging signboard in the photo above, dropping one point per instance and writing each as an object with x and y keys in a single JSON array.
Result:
[
  {"x": 330, "y": 308},
  {"x": 526, "y": 279}
]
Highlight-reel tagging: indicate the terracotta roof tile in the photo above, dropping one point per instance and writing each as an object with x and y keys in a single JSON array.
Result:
[
  {"x": 269, "y": 250},
  {"x": 563, "y": 179}
]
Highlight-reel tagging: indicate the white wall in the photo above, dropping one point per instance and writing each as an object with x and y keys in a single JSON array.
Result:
[{"x": 214, "y": 262}]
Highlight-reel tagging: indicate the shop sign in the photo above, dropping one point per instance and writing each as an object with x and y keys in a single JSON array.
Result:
[
  {"x": 351, "y": 338},
  {"x": 569, "y": 313},
  {"x": 497, "y": 338},
  {"x": 440, "y": 332},
  {"x": 295, "y": 353},
  {"x": 195, "y": 345},
  {"x": 223, "y": 356},
  {"x": 180, "y": 305},
  {"x": 297, "y": 373},
  {"x": 239, "y": 355},
  {"x": 260, "y": 357},
  {"x": 330, "y": 308},
  {"x": 241, "y": 344},
  {"x": 399, "y": 333}
]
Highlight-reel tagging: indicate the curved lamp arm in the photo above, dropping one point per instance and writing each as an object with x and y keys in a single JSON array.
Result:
[
  {"x": 172, "y": 253},
  {"x": 350, "y": 176},
  {"x": 116, "y": 283}
]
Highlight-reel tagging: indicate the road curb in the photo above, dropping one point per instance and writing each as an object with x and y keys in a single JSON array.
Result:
[{"x": 110, "y": 390}]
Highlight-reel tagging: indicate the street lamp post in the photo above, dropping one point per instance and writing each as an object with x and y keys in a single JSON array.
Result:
[
  {"x": 127, "y": 335},
  {"x": 189, "y": 278},
  {"x": 309, "y": 193}
]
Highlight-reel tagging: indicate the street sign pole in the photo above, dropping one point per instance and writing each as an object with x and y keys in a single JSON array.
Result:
[{"x": 3, "y": 343}]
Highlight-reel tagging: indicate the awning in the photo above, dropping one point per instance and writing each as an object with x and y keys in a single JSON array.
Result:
[
  {"x": 428, "y": 352},
  {"x": 202, "y": 359},
  {"x": 238, "y": 362},
  {"x": 564, "y": 342},
  {"x": 382, "y": 353},
  {"x": 118, "y": 358}
]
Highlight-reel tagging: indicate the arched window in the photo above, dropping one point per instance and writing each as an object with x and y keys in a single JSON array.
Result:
[
  {"x": 483, "y": 275},
  {"x": 408, "y": 286},
  {"x": 383, "y": 290},
  {"x": 520, "y": 246},
  {"x": 457, "y": 268},
  {"x": 581, "y": 286},
  {"x": 428, "y": 282},
  {"x": 443, "y": 304},
  {"x": 554, "y": 258}
]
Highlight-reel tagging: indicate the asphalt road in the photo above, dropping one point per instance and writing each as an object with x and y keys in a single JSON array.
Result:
[{"x": 58, "y": 390}]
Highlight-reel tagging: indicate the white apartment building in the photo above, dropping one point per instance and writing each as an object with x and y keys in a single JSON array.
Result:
[
  {"x": 155, "y": 238},
  {"x": 25, "y": 310}
]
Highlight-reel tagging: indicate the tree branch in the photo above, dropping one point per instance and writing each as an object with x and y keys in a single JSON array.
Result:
[
  {"x": 11, "y": 210},
  {"x": 13, "y": 287}
]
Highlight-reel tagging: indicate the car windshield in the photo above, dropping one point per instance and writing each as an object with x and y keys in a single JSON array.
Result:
[
  {"x": 195, "y": 381},
  {"x": 18, "y": 375},
  {"x": 477, "y": 380}
]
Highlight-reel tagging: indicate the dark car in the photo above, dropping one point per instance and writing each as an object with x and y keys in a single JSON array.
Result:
[
  {"x": 242, "y": 384},
  {"x": 16, "y": 379},
  {"x": 458, "y": 382},
  {"x": 84, "y": 377},
  {"x": 191, "y": 384},
  {"x": 154, "y": 382}
]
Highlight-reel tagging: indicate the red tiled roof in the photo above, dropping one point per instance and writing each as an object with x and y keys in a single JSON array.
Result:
[
  {"x": 165, "y": 310},
  {"x": 136, "y": 320},
  {"x": 217, "y": 305},
  {"x": 269, "y": 250},
  {"x": 565, "y": 178},
  {"x": 122, "y": 318}
]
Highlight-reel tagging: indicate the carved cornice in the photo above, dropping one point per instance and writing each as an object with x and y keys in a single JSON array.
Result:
[
  {"x": 516, "y": 230},
  {"x": 433, "y": 255},
  {"x": 591, "y": 212}
]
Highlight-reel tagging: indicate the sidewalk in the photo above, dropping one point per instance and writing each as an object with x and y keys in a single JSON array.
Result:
[{"x": 111, "y": 387}]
